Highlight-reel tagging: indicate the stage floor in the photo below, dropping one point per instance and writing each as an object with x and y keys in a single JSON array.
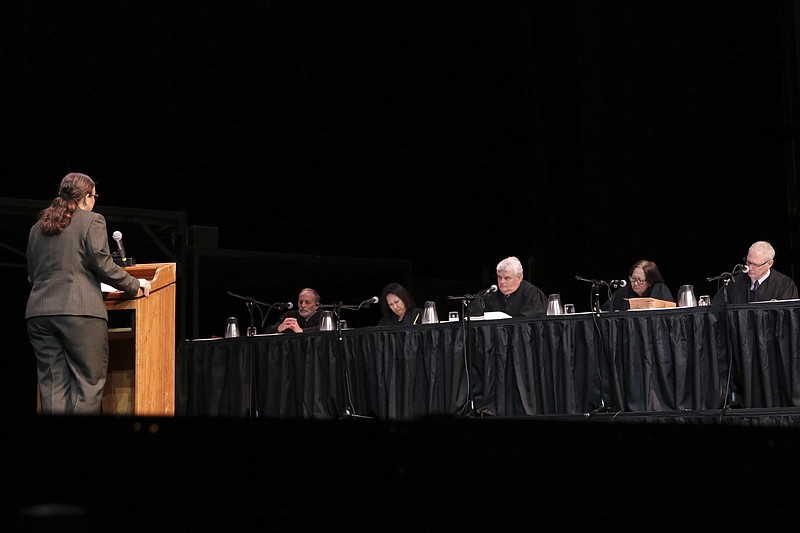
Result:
[{"x": 629, "y": 470}]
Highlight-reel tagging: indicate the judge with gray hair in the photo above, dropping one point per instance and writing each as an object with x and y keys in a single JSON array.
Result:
[
  {"x": 514, "y": 296},
  {"x": 761, "y": 282}
]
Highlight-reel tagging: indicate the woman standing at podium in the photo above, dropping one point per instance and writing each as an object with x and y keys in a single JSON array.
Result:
[{"x": 68, "y": 258}]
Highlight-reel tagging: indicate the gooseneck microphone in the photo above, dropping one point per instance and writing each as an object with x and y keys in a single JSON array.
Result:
[
  {"x": 369, "y": 301},
  {"x": 283, "y": 305},
  {"x": 118, "y": 237},
  {"x": 487, "y": 291},
  {"x": 592, "y": 281},
  {"x": 613, "y": 284},
  {"x": 744, "y": 269}
]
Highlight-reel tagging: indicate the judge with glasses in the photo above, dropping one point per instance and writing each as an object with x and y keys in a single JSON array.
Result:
[
  {"x": 761, "y": 282},
  {"x": 644, "y": 281}
]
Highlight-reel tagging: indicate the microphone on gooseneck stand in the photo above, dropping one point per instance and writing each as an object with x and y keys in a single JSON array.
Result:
[
  {"x": 280, "y": 306},
  {"x": 120, "y": 257},
  {"x": 368, "y": 302},
  {"x": 744, "y": 269},
  {"x": 486, "y": 292},
  {"x": 600, "y": 361}
]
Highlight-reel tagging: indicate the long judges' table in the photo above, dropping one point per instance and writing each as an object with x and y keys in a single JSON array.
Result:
[{"x": 655, "y": 360}]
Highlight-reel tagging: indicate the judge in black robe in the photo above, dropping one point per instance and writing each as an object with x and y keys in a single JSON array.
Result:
[
  {"x": 305, "y": 318},
  {"x": 527, "y": 300},
  {"x": 776, "y": 286},
  {"x": 306, "y": 323},
  {"x": 515, "y": 296},
  {"x": 645, "y": 281},
  {"x": 619, "y": 298},
  {"x": 398, "y": 307},
  {"x": 761, "y": 282}
]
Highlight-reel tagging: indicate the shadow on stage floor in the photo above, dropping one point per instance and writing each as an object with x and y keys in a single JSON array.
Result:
[{"x": 626, "y": 471}]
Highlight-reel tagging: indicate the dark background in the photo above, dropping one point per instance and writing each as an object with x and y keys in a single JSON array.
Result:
[{"x": 413, "y": 141}]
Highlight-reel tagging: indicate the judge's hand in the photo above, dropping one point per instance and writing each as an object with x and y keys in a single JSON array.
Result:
[{"x": 290, "y": 323}]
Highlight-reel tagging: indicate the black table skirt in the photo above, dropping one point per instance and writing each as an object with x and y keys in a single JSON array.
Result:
[{"x": 634, "y": 361}]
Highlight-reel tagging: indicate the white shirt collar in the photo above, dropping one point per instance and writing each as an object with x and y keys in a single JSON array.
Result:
[{"x": 760, "y": 280}]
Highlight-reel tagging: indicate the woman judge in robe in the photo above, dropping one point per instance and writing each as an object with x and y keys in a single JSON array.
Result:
[
  {"x": 398, "y": 307},
  {"x": 645, "y": 281}
]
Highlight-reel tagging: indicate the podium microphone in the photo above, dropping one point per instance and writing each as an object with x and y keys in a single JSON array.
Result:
[
  {"x": 118, "y": 237},
  {"x": 280, "y": 306},
  {"x": 119, "y": 256},
  {"x": 617, "y": 283}
]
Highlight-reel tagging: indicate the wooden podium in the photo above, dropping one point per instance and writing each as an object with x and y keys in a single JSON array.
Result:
[{"x": 141, "y": 336}]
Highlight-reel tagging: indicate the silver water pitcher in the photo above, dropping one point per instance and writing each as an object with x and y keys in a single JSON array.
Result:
[
  {"x": 554, "y": 306},
  {"x": 232, "y": 329},
  {"x": 326, "y": 321},
  {"x": 686, "y": 297},
  {"x": 429, "y": 314}
]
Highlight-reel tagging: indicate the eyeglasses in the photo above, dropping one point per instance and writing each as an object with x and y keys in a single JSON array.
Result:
[
  {"x": 637, "y": 280},
  {"x": 753, "y": 265}
]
